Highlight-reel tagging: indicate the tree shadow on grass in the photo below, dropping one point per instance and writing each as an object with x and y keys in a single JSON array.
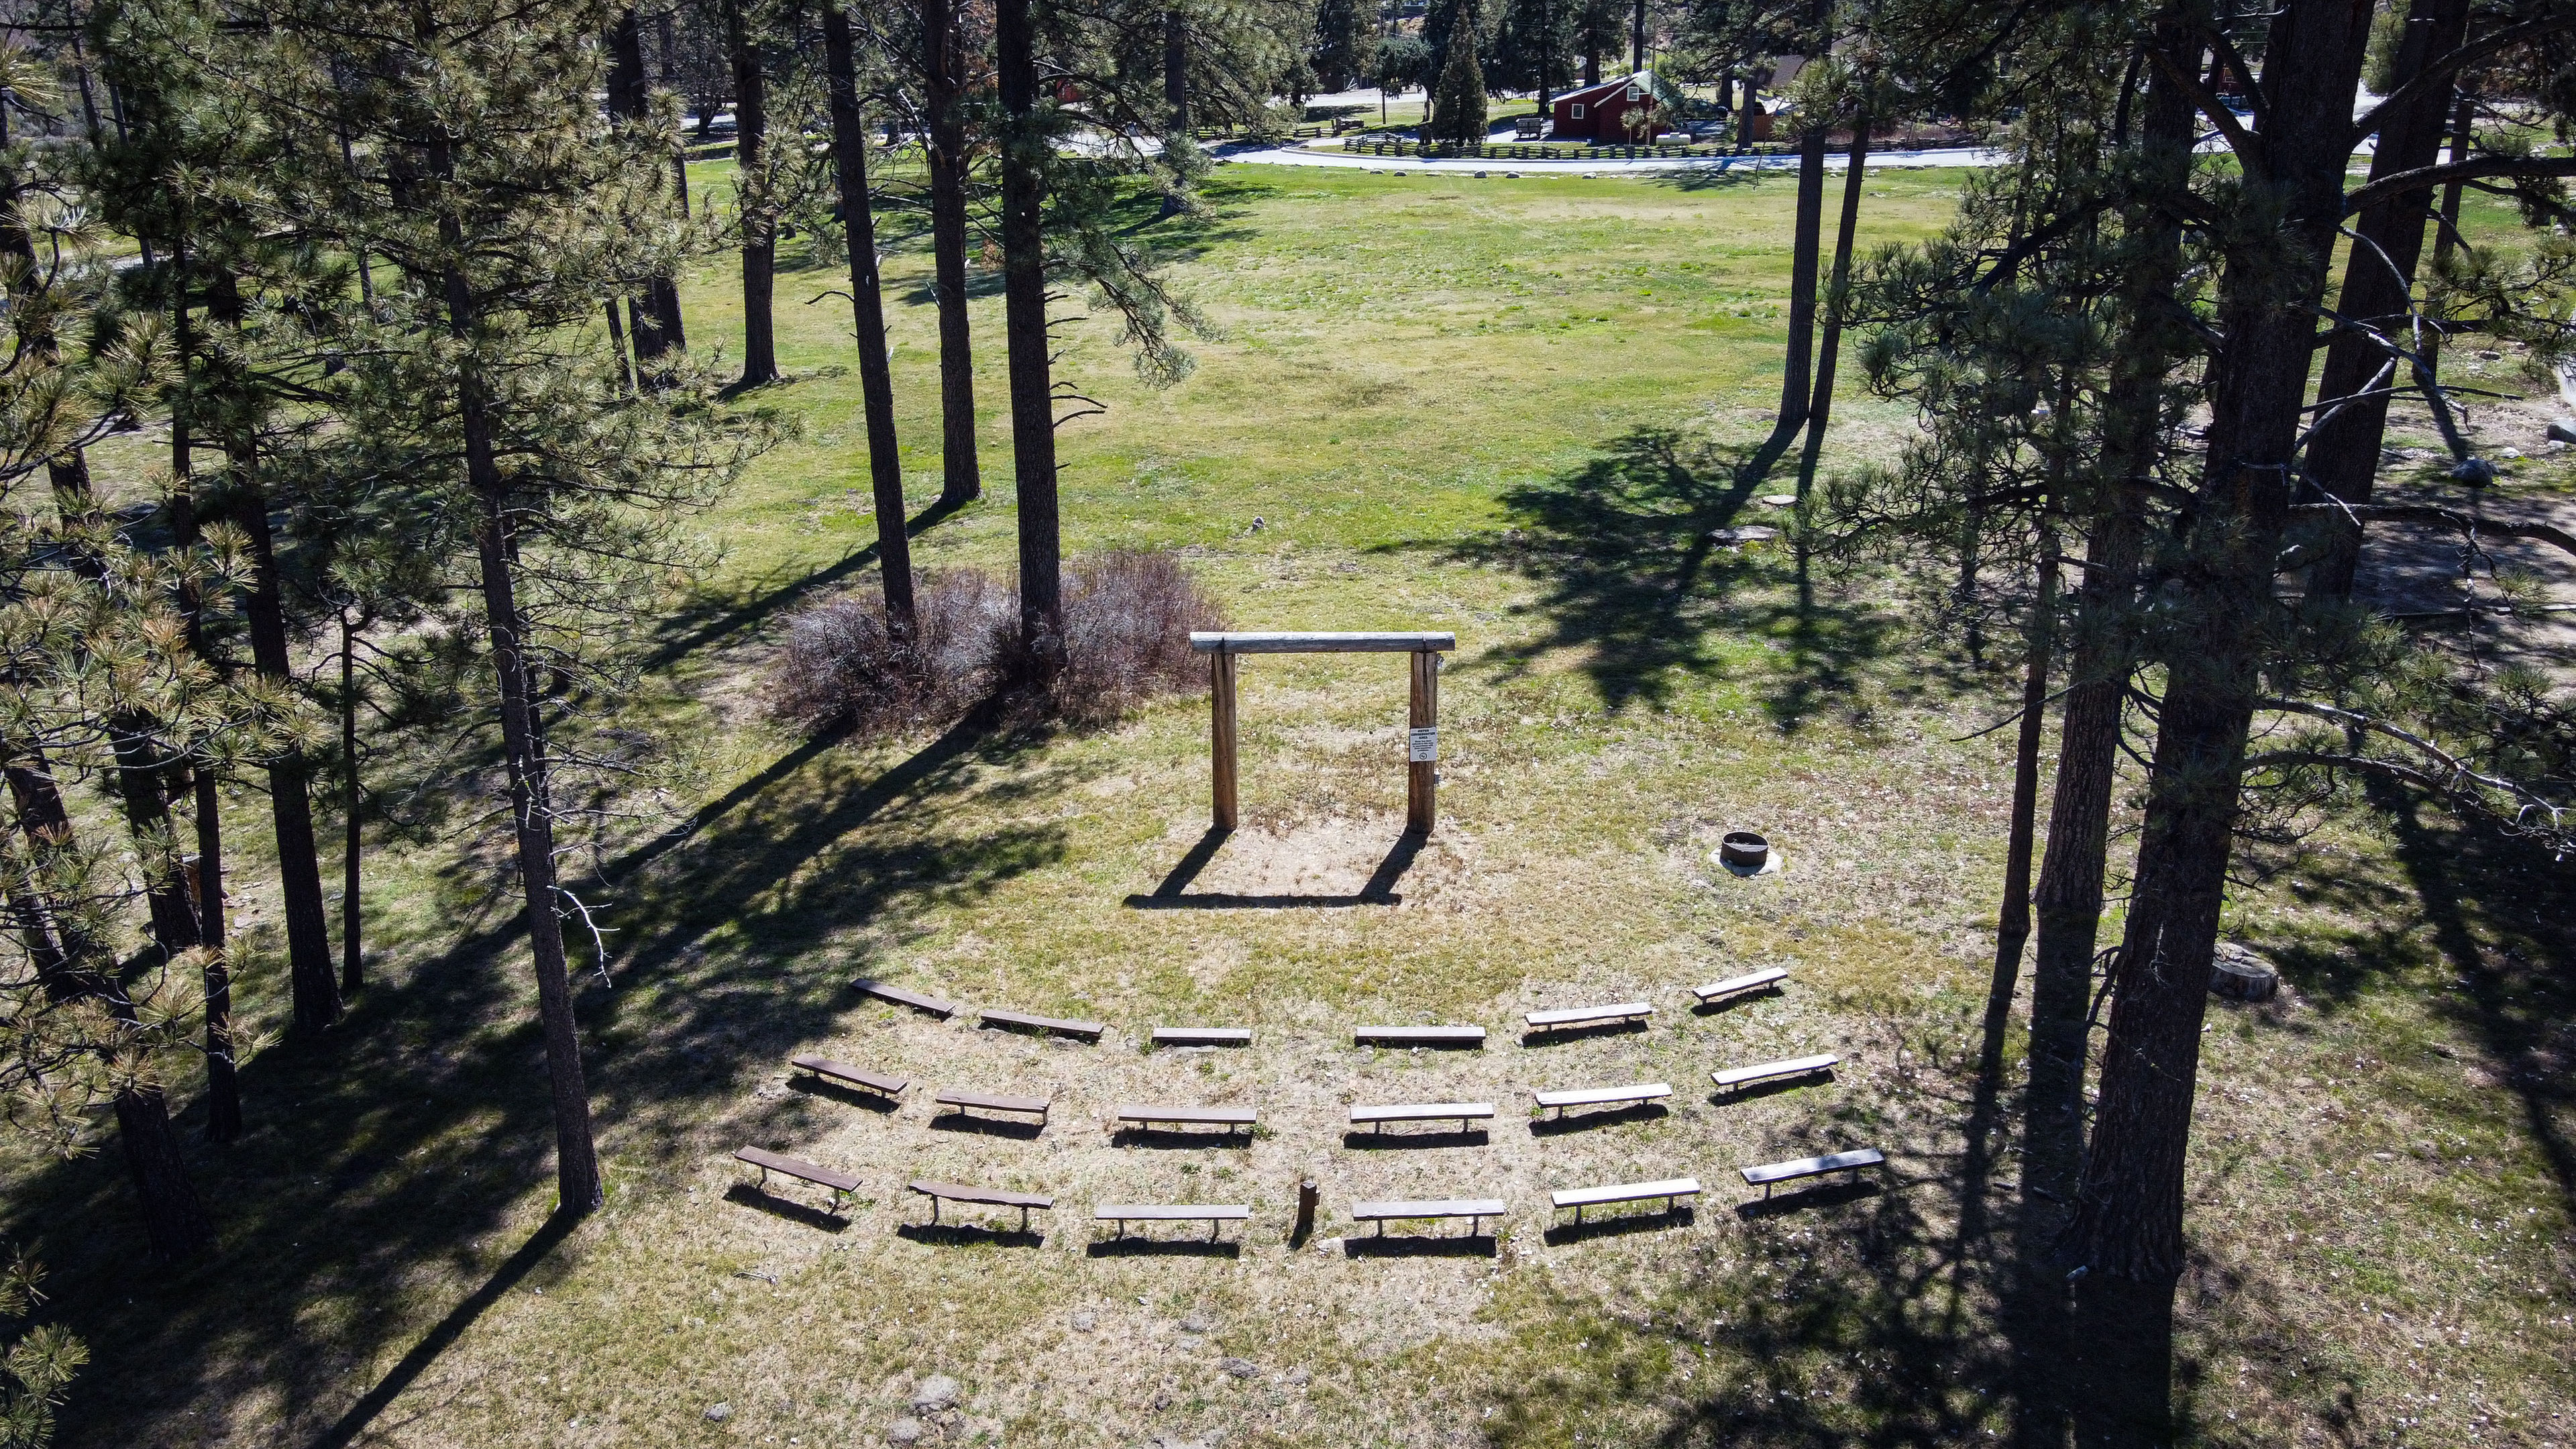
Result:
[
  {"x": 709, "y": 618},
  {"x": 379, "y": 1201},
  {"x": 1636, "y": 579},
  {"x": 1837, "y": 1315}
]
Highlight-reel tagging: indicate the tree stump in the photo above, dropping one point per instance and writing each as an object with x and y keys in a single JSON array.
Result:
[{"x": 2240, "y": 975}]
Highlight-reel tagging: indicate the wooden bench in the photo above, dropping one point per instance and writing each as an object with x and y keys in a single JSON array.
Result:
[
  {"x": 1229, "y": 1118},
  {"x": 1420, "y": 1036},
  {"x": 1603, "y": 1096},
  {"x": 1672, "y": 1190},
  {"x": 1589, "y": 1015},
  {"x": 884, "y": 991},
  {"x": 1773, "y": 1174},
  {"x": 1060, "y": 1026},
  {"x": 939, "y": 1192},
  {"x": 1734, "y": 1077},
  {"x": 841, "y": 1183},
  {"x": 876, "y": 1082},
  {"x": 1178, "y": 1036},
  {"x": 1474, "y": 1209},
  {"x": 1734, "y": 986},
  {"x": 981, "y": 1101},
  {"x": 1213, "y": 1214},
  {"x": 1460, "y": 1112}
]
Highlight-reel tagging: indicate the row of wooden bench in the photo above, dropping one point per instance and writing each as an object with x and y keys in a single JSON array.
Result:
[
  {"x": 1568, "y": 1019},
  {"x": 1378, "y": 1117},
  {"x": 1475, "y": 1210}
]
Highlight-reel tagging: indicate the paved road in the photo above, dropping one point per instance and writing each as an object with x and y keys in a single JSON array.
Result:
[{"x": 1299, "y": 156}]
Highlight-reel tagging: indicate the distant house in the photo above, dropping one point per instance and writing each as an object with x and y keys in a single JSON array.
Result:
[{"x": 1615, "y": 111}]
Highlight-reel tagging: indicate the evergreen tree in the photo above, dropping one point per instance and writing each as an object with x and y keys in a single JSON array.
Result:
[
  {"x": 1533, "y": 47},
  {"x": 507, "y": 205},
  {"x": 876, "y": 386},
  {"x": 756, "y": 200},
  {"x": 1458, "y": 98},
  {"x": 1341, "y": 43}
]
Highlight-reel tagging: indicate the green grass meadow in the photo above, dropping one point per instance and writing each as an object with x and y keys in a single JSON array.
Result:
[{"x": 1506, "y": 408}]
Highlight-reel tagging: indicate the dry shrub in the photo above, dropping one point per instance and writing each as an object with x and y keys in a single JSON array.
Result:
[
  {"x": 1127, "y": 621},
  {"x": 842, "y": 668}
]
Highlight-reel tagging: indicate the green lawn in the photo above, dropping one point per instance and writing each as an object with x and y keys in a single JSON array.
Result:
[{"x": 1503, "y": 408}]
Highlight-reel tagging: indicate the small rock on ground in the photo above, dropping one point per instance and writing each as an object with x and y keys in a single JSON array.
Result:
[
  {"x": 1242, "y": 1368},
  {"x": 2561, "y": 430},
  {"x": 904, "y": 1431},
  {"x": 935, "y": 1393},
  {"x": 718, "y": 1413}
]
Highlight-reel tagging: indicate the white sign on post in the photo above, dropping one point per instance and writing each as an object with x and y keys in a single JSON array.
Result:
[{"x": 1422, "y": 746}]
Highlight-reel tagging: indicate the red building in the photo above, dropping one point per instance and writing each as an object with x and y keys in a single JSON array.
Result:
[{"x": 1615, "y": 111}]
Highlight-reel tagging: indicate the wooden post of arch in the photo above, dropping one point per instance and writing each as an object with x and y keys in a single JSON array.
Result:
[{"x": 1422, "y": 716}]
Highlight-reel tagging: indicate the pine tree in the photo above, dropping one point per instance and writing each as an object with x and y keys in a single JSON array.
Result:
[
  {"x": 944, "y": 49},
  {"x": 1341, "y": 31},
  {"x": 1458, "y": 97},
  {"x": 755, "y": 193},
  {"x": 885, "y": 464},
  {"x": 507, "y": 205}
]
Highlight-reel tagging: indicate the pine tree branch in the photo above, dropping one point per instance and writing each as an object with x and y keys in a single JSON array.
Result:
[
  {"x": 2450, "y": 517},
  {"x": 2425, "y": 178},
  {"x": 2438, "y": 72}
]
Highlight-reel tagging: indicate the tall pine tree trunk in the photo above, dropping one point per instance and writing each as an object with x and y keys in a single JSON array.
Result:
[
  {"x": 577, "y": 1181},
  {"x": 876, "y": 378},
  {"x": 2464, "y": 117},
  {"x": 1176, "y": 90},
  {"x": 1024, "y": 161},
  {"x": 223, "y": 1067},
  {"x": 2012, "y": 919},
  {"x": 174, "y": 1218},
  {"x": 2067, "y": 905},
  {"x": 1806, "y": 238},
  {"x": 353, "y": 960},
  {"x": 290, "y": 798},
  {"x": 2378, "y": 292},
  {"x": 758, "y": 208},
  {"x": 1829, "y": 351},
  {"x": 944, "y": 145},
  {"x": 72, "y": 967},
  {"x": 657, "y": 315},
  {"x": 2128, "y": 1211}
]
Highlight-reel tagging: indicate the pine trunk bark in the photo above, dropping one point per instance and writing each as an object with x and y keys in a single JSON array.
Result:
[
  {"x": 2129, "y": 1209},
  {"x": 2378, "y": 292},
  {"x": 290, "y": 799},
  {"x": 1806, "y": 239},
  {"x": 1024, "y": 161},
  {"x": 944, "y": 147},
  {"x": 876, "y": 378},
  {"x": 2012, "y": 920},
  {"x": 657, "y": 318},
  {"x": 577, "y": 1180},
  {"x": 1176, "y": 90},
  {"x": 223, "y": 1067},
  {"x": 174, "y": 1218},
  {"x": 2068, "y": 902},
  {"x": 353, "y": 959},
  {"x": 758, "y": 209},
  {"x": 1829, "y": 350}
]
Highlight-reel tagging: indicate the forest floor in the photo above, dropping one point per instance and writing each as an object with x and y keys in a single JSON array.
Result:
[{"x": 1443, "y": 403}]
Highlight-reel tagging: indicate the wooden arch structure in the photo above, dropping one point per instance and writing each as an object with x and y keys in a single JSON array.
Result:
[{"x": 1422, "y": 735}]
